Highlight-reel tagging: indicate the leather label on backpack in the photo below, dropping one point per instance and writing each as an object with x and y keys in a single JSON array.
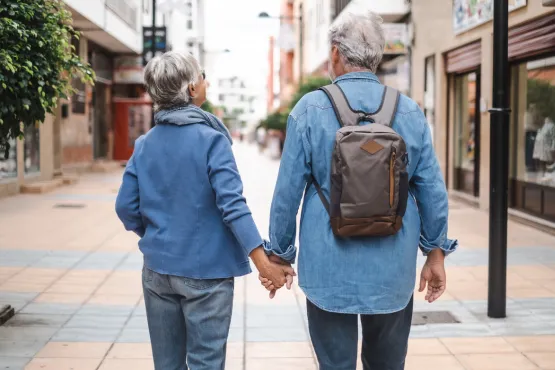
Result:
[{"x": 371, "y": 147}]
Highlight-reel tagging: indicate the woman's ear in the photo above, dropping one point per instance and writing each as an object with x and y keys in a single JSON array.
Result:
[{"x": 192, "y": 91}]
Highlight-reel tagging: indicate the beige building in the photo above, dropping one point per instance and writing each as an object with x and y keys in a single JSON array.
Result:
[{"x": 452, "y": 67}]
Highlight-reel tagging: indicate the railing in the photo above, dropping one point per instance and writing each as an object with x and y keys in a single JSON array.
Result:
[{"x": 127, "y": 12}]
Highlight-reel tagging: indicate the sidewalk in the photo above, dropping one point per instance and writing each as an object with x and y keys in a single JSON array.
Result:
[{"x": 73, "y": 275}]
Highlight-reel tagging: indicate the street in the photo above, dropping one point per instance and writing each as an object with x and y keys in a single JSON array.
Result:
[{"x": 73, "y": 275}]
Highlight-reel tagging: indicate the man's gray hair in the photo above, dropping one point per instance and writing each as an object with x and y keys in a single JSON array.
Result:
[
  {"x": 167, "y": 78},
  {"x": 360, "y": 39}
]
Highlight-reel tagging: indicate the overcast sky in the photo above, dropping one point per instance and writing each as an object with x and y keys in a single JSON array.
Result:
[{"x": 235, "y": 25}]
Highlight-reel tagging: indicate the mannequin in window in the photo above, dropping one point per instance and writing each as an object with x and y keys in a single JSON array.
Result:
[{"x": 544, "y": 147}]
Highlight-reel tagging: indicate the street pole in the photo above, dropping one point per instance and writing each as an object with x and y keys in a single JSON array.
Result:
[{"x": 499, "y": 165}]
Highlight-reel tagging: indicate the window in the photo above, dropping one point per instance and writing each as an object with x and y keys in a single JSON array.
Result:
[
  {"x": 190, "y": 24},
  {"x": 32, "y": 149},
  {"x": 534, "y": 109},
  {"x": 467, "y": 133},
  {"x": 221, "y": 98},
  {"x": 8, "y": 167}
]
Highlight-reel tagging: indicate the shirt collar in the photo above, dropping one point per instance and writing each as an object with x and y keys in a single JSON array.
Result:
[{"x": 358, "y": 76}]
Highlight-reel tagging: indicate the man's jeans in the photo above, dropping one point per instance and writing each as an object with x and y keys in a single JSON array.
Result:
[
  {"x": 188, "y": 320},
  {"x": 384, "y": 339}
]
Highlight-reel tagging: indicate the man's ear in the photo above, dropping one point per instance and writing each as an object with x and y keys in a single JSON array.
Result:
[{"x": 335, "y": 53}]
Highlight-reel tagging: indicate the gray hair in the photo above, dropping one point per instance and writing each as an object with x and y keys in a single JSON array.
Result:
[
  {"x": 360, "y": 39},
  {"x": 167, "y": 78}
]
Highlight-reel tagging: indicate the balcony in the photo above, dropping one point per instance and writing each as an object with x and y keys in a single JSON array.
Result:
[{"x": 391, "y": 10}]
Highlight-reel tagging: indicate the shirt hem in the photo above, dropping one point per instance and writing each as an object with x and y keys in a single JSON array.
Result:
[
  {"x": 243, "y": 270},
  {"x": 323, "y": 307}
]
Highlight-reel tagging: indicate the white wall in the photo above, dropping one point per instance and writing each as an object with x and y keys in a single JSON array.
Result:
[
  {"x": 90, "y": 14},
  {"x": 317, "y": 20},
  {"x": 388, "y": 7}
]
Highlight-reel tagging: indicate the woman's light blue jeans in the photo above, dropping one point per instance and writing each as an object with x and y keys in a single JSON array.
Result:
[{"x": 188, "y": 320}]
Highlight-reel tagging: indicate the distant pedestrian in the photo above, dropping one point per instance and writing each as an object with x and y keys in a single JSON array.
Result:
[
  {"x": 362, "y": 156},
  {"x": 182, "y": 195}
]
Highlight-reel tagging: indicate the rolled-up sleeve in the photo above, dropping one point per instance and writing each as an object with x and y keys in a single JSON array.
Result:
[
  {"x": 228, "y": 188},
  {"x": 128, "y": 200},
  {"x": 294, "y": 172},
  {"x": 428, "y": 188}
]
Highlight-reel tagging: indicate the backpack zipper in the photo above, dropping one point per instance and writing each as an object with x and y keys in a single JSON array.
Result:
[{"x": 392, "y": 177}]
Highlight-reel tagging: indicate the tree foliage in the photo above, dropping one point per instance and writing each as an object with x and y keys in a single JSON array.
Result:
[
  {"x": 37, "y": 63},
  {"x": 541, "y": 95},
  {"x": 207, "y": 106},
  {"x": 278, "y": 120}
]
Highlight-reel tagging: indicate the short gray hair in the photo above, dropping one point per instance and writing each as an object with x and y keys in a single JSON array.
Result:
[
  {"x": 360, "y": 39},
  {"x": 167, "y": 78}
]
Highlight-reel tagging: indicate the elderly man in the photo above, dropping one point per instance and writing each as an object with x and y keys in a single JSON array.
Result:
[
  {"x": 348, "y": 270},
  {"x": 182, "y": 195}
]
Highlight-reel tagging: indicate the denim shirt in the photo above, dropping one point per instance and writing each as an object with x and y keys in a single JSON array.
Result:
[{"x": 363, "y": 275}]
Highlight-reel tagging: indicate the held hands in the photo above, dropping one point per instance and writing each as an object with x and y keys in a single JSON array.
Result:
[
  {"x": 433, "y": 273},
  {"x": 273, "y": 273},
  {"x": 268, "y": 283}
]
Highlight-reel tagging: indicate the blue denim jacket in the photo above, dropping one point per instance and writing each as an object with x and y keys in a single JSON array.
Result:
[{"x": 369, "y": 275}]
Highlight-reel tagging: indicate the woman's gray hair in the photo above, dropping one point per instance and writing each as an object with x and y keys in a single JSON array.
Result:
[
  {"x": 360, "y": 39},
  {"x": 167, "y": 78}
]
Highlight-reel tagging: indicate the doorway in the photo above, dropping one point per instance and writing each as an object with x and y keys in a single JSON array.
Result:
[{"x": 467, "y": 133}]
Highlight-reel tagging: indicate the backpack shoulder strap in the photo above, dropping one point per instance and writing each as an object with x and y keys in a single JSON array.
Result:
[
  {"x": 388, "y": 108},
  {"x": 345, "y": 115}
]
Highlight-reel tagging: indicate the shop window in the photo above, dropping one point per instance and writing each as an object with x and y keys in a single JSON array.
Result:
[
  {"x": 8, "y": 166},
  {"x": 429, "y": 94},
  {"x": 32, "y": 149},
  {"x": 466, "y": 133},
  {"x": 534, "y": 118}
]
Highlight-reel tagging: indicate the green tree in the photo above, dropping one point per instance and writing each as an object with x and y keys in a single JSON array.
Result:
[
  {"x": 278, "y": 120},
  {"x": 541, "y": 94},
  {"x": 310, "y": 85},
  {"x": 37, "y": 63},
  {"x": 207, "y": 106}
]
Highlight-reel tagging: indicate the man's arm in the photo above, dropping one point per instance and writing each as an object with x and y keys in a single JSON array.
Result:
[
  {"x": 294, "y": 173},
  {"x": 429, "y": 190},
  {"x": 127, "y": 201}
]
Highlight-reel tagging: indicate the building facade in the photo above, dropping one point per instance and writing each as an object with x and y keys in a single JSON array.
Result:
[
  {"x": 452, "y": 62},
  {"x": 81, "y": 129}
]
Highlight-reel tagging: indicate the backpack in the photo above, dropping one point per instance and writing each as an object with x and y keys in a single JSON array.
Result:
[{"x": 369, "y": 182}]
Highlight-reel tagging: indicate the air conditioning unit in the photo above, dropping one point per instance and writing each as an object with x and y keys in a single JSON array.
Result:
[{"x": 548, "y": 2}]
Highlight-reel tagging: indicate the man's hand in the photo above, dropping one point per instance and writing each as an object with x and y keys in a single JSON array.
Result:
[{"x": 433, "y": 273}]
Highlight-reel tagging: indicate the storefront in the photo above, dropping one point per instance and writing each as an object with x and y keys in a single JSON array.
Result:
[
  {"x": 452, "y": 75},
  {"x": 532, "y": 170},
  {"x": 464, "y": 71}
]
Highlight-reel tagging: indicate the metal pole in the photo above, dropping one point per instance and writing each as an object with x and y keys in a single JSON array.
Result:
[{"x": 499, "y": 165}]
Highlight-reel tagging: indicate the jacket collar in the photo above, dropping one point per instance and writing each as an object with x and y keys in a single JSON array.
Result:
[{"x": 358, "y": 76}]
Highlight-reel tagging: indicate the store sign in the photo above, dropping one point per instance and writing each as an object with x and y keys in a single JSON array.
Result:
[
  {"x": 160, "y": 42},
  {"x": 396, "y": 35},
  {"x": 468, "y": 14},
  {"x": 128, "y": 70}
]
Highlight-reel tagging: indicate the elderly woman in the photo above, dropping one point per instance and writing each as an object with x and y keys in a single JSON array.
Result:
[{"x": 182, "y": 195}]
